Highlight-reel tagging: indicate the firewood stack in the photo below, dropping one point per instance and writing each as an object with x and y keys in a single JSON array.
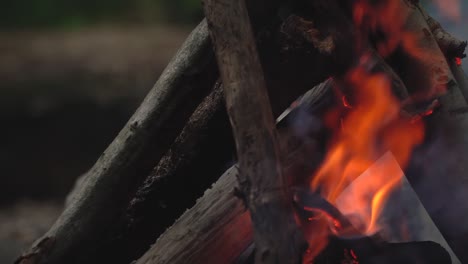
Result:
[{"x": 255, "y": 59}]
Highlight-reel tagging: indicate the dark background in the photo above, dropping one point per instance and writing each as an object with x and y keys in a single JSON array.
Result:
[{"x": 71, "y": 74}]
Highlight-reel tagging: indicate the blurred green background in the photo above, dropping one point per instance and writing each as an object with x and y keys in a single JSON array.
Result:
[
  {"x": 66, "y": 14},
  {"x": 71, "y": 74}
]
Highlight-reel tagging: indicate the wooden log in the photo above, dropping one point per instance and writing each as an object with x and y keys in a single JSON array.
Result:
[
  {"x": 260, "y": 178},
  {"x": 104, "y": 192},
  {"x": 220, "y": 215}
]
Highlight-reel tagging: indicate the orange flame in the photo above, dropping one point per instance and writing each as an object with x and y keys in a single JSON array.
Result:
[
  {"x": 370, "y": 123},
  {"x": 370, "y": 128},
  {"x": 373, "y": 124}
]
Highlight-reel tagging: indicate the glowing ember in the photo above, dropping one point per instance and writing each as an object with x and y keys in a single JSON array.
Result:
[
  {"x": 458, "y": 61},
  {"x": 353, "y": 254},
  {"x": 345, "y": 102}
]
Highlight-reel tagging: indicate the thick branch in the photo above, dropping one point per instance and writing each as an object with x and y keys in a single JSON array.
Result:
[
  {"x": 252, "y": 121},
  {"x": 105, "y": 189}
]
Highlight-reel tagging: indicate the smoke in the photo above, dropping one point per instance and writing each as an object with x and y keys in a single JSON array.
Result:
[{"x": 438, "y": 173}]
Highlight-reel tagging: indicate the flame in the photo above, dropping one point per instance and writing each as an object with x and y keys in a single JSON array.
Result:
[
  {"x": 372, "y": 126},
  {"x": 373, "y": 123},
  {"x": 370, "y": 123}
]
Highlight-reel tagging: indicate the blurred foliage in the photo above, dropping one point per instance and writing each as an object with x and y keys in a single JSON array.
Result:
[{"x": 24, "y": 14}]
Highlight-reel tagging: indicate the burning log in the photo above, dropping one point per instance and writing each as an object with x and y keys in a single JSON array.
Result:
[
  {"x": 220, "y": 215},
  {"x": 228, "y": 218}
]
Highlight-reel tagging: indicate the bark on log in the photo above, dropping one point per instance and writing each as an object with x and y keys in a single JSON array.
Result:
[
  {"x": 195, "y": 160},
  {"x": 218, "y": 228},
  {"x": 105, "y": 190},
  {"x": 261, "y": 180}
]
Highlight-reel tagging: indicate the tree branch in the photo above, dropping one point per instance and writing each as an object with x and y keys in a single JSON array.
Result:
[{"x": 252, "y": 121}]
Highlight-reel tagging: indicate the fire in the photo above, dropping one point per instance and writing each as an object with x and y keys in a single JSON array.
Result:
[
  {"x": 369, "y": 125},
  {"x": 372, "y": 126}
]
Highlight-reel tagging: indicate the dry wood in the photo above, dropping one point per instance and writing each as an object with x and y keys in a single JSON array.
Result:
[
  {"x": 103, "y": 193},
  {"x": 277, "y": 237}
]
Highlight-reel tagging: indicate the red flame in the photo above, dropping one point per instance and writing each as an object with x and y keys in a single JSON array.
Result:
[{"x": 370, "y": 126}]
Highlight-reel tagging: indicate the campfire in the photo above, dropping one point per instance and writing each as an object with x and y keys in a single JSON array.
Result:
[{"x": 352, "y": 172}]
